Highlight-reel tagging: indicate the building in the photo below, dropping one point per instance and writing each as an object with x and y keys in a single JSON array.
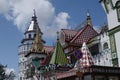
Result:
[
  {"x": 98, "y": 42},
  {"x": 112, "y": 9},
  {"x": 26, "y": 45},
  {"x": 48, "y": 63}
]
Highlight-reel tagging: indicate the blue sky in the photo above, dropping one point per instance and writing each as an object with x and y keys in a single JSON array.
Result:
[{"x": 14, "y": 19}]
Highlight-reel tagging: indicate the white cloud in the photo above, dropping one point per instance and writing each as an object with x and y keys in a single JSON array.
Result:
[
  {"x": 9, "y": 70},
  {"x": 21, "y": 11},
  {"x": 59, "y": 22}
]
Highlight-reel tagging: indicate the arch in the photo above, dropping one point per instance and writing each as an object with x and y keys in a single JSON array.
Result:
[
  {"x": 34, "y": 35},
  {"x": 105, "y": 45},
  {"x": 117, "y": 4},
  {"x": 29, "y": 36}
]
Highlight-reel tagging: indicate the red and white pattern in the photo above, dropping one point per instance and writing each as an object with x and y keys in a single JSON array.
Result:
[
  {"x": 86, "y": 59},
  {"x": 79, "y": 36}
]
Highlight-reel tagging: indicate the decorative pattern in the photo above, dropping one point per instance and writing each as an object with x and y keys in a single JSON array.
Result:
[
  {"x": 80, "y": 36},
  {"x": 85, "y": 35},
  {"x": 59, "y": 56},
  {"x": 37, "y": 44},
  {"x": 86, "y": 59}
]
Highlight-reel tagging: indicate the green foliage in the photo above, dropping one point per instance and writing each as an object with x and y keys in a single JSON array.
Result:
[{"x": 2, "y": 72}]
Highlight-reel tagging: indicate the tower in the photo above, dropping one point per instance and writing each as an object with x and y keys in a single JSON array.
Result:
[
  {"x": 26, "y": 44},
  {"x": 35, "y": 58},
  {"x": 112, "y": 9}
]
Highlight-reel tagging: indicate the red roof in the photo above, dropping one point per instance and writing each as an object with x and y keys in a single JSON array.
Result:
[
  {"x": 49, "y": 49},
  {"x": 69, "y": 34},
  {"x": 78, "y": 37}
]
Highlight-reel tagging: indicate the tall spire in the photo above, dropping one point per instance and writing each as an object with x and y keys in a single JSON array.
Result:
[
  {"x": 57, "y": 35},
  {"x": 89, "y": 22},
  {"x": 33, "y": 24},
  {"x": 37, "y": 44},
  {"x": 34, "y": 18},
  {"x": 59, "y": 56}
]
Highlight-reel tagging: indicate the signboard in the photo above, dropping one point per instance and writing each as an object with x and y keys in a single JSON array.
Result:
[
  {"x": 78, "y": 54},
  {"x": 99, "y": 69}
]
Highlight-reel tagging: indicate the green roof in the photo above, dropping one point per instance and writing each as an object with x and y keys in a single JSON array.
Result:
[{"x": 59, "y": 56}]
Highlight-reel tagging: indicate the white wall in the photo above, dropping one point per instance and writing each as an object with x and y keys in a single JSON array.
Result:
[
  {"x": 117, "y": 39},
  {"x": 112, "y": 19}
]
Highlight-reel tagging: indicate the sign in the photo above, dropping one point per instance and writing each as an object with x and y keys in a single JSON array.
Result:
[
  {"x": 106, "y": 69},
  {"x": 78, "y": 54}
]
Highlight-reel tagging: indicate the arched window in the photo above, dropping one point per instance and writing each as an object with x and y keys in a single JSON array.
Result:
[
  {"x": 34, "y": 35},
  {"x": 29, "y": 35},
  {"x": 108, "y": 5},
  {"x": 105, "y": 46},
  {"x": 118, "y": 9}
]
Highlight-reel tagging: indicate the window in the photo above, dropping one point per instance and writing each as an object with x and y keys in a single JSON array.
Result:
[
  {"x": 105, "y": 46},
  {"x": 108, "y": 5},
  {"x": 118, "y": 9},
  {"x": 29, "y": 35},
  {"x": 118, "y": 13},
  {"x": 34, "y": 35}
]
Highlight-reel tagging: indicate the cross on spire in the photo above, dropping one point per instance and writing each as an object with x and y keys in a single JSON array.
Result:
[
  {"x": 34, "y": 12},
  {"x": 89, "y": 22}
]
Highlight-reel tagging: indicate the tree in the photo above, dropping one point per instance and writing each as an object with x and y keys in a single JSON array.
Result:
[{"x": 2, "y": 72}]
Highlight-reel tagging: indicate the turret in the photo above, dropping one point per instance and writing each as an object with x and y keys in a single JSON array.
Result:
[
  {"x": 26, "y": 44},
  {"x": 36, "y": 57}
]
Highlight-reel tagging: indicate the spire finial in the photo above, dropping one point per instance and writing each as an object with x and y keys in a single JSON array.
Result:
[
  {"x": 34, "y": 12},
  {"x": 57, "y": 35},
  {"x": 88, "y": 13},
  {"x": 89, "y": 22}
]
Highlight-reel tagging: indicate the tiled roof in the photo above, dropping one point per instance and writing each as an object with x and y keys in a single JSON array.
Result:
[
  {"x": 59, "y": 56},
  {"x": 49, "y": 49},
  {"x": 84, "y": 35},
  {"x": 80, "y": 36},
  {"x": 69, "y": 34}
]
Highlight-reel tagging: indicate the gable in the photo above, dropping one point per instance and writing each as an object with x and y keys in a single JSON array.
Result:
[{"x": 85, "y": 35}]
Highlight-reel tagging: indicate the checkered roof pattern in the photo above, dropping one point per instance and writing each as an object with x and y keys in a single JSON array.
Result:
[{"x": 86, "y": 59}]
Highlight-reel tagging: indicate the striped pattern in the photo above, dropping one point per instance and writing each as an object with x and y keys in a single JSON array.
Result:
[
  {"x": 59, "y": 56},
  {"x": 86, "y": 59}
]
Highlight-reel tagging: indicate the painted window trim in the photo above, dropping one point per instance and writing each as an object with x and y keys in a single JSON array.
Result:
[
  {"x": 118, "y": 14},
  {"x": 117, "y": 6},
  {"x": 115, "y": 51},
  {"x": 111, "y": 4},
  {"x": 106, "y": 8},
  {"x": 114, "y": 30}
]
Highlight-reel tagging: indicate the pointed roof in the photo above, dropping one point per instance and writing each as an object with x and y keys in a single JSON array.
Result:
[
  {"x": 33, "y": 24},
  {"x": 58, "y": 56},
  {"x": 37, "y": 43},
  {"x": 86, "y": 59}
]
